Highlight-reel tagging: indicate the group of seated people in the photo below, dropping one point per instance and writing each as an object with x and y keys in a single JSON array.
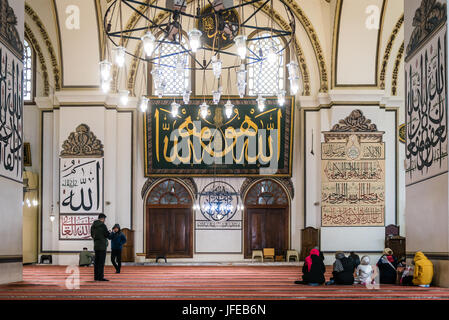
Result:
[{"x": 353, "y": 270}]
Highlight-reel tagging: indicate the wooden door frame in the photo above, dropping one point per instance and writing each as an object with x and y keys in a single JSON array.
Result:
[
  {"x": 246, "y": 230},
  {"x": 147, "y": 225}
]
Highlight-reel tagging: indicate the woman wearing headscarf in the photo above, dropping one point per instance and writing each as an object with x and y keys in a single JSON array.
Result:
[
  {"x": 387, "y": 265},
  {"x": 364, "y": 271},
  {"x": 343, "y": 272},
  {"x": 313, "y": 269}
]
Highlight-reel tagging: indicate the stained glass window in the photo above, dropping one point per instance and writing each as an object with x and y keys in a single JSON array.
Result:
[
  {"x": 176, "y": 79},
  {"x": 266, "y": 192},
  {"x": 27, "y": 71},
  {"x": 169, "y": 192},
  {"x": 265, "y": 77}
]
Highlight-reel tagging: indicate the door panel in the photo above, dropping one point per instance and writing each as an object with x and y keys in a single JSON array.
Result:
[
  {"x": 180, "y": 238},
  {"x": 157, "y": 235},
  {"x": 266, "y": 228}
]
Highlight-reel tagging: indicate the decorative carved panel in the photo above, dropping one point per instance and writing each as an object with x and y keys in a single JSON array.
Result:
[
  {"x": 82, "y": 143},
  {"x": 355, "y": 122}
]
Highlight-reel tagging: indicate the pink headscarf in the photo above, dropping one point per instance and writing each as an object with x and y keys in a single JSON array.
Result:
[{"x": 309, "y": 258}]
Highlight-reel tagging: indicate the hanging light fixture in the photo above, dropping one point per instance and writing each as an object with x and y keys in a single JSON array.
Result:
[
  {"x": 195, "y": 39},
  {"x": 241, "y": 81},
  {"x": 119, "y": 56},
  {"x": 293, "y": 72},
  {"x": 260, "y": 103},
  {"x": 105, "y": 70},
  {"x": 106, "y": 86},
  {"x": 216, "y": 95},
  {"x": 149, "y": 43},
  {"x": 186, "y": 96},
  {"x": 228, "y": 108},
  {"x": 143, "y": 105},
  {"x": 174, "y": 108},
  {"x": 204, "y": 108},
  {"x": 180, "y": 64},
  {"x": 281, "y": 97},
  {"x": 240, "y": 43},
  {"x": 216, "y": 66},
  {"x": 159, "y": 81},
  {"x": 52, "y": 215},
  {"x": 272, "y": 55},
  {"x": 124, "y": 97}
]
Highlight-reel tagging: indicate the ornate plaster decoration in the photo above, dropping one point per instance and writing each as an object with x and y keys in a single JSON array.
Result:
[
  {"x": 355, "y": 122},
  {"x": 397, "y": 63},
  {"x": 82, "y": 143},
  {"x": 151, "y": 182},
  {"x": 287, "y": 183},
  {"x": 428, "y": 17},
  {"x": 387, "y": 52},
  {"x": 29, "y": 34},
  {"x": 54, "y": 61},
  {"x": 8, "y": 28}
]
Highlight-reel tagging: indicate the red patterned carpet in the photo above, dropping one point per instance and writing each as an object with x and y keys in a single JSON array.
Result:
[{"x": 197, "y": 282}]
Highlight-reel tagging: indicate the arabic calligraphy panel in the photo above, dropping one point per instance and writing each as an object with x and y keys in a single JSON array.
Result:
[
  {"x": 353, "y": 183},
  {"x": 75, "y": 227},
  {"x": 81, "y": 185},
  {"x": 11, "y": 115},
  {"x": 250, "y": 142},
  {"x": 426, "y": 110}
]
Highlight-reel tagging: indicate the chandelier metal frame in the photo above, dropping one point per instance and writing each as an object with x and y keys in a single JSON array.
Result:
[{"x": 176, "y": 15}]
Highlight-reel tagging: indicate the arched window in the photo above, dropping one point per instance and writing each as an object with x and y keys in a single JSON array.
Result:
[
  {"x": 266, "y": 192},
  {"x": 169, "y": 192},
  {"x": 27, "y": 72},
  {"x": 175, "y": 80},
  {"x": 265, "y": 78}
]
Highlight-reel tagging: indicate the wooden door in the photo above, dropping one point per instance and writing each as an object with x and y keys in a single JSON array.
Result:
[
  {"x": 266, "y": 228},
  {"x": 128, "y": 247}
]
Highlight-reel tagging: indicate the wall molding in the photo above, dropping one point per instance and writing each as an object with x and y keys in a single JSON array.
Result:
[{"x": 11, "y": 259}]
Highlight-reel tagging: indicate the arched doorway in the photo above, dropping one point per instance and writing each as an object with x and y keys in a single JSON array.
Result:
[
  {"x": 266, "y": 219},
  {"x": 169, "y": 229}
]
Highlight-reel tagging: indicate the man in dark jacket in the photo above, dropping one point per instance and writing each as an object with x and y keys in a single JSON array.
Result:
[
  {"x": 118, "y": 239},
  {"x": 100, "y": 235}
]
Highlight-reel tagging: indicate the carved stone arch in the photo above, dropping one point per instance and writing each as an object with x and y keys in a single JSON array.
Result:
[
  {"x": 82, "y": 143},
  {"x": 285, "y": 183},
  {"x": 395, "y": 75},
  {"x": 188, "y": 183}
]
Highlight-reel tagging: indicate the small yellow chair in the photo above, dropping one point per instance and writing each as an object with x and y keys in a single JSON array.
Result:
[
  {"x": 268, "y": 253},
  {"x": 257, "y": 254},
  {"x": 292, "y": 254}
]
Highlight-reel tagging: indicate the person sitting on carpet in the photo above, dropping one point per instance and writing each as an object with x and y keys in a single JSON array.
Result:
[
  {"x": 321, "y": 254},
  {"x": 343, "y": 272},
  {"x": 86, "y": 258},
  {"x": 313, "y": 269},
  {"x": 364, "y": 272},
  {"x": 423, "y": 273},
  {"x": 387, "y": 265},
  {"x": 355, "y": 259}
]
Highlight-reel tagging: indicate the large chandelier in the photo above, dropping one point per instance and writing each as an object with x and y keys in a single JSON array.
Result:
[{"x": 215, "y": 34}]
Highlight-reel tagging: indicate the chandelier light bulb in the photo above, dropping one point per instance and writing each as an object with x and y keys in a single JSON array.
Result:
[
  {"x": 216, "y": 95},
  {"x": 35, "y": 203},
  {"x": 261, "y": 103},
  {"x": 105, "y": 70},
  {"x": 195, "y": 39},
  {"x": 186, "y": 96},
  {"x": 228, "y": 108},
  {"x": 241, "y": 81},
  {"x": 240, "y": 43},
  {"x": 175, "y": 109},
  {"x": 143, "y": 106},
  {"x": 149, "y": 43},
  {"x": 272, "y": 55},
  {"x": 180, "y": 64},
  {"x": 28, "y": 202},
  {"x": 124, "y": 97},
  {"x": 294, "y": 86},
  {"x": 119, "y": 56},
  {"x": 293, "y": 69},
  {"x": 281, "y": 98},
  {"x": 52, "y": 217},
  {"x": 106, "y": 86},
  {"x": 204, "y": 110},
  {"x": 216, "y": 66}
]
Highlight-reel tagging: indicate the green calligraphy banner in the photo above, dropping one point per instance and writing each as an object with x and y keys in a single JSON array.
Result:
[{"x": 250, "y": 142}]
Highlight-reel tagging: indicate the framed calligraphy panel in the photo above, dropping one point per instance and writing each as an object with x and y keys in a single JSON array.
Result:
[
  {"x": 426, "y": 110},
  {"x": 353, "y": 174},
  {"x": 75, "y": 227},
  {"x": 11, "y": 114},
  {"x": 81, "y": 185},
  {"x": 250, "y": 142}
]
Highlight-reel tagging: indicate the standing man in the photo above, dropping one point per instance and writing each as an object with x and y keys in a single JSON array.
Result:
[
  {"x": 100, "y": 235},
  {"x": 118, "y": 239}
]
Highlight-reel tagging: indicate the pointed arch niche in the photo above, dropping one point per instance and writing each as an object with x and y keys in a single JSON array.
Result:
[{"x": 267, "y": 214}]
